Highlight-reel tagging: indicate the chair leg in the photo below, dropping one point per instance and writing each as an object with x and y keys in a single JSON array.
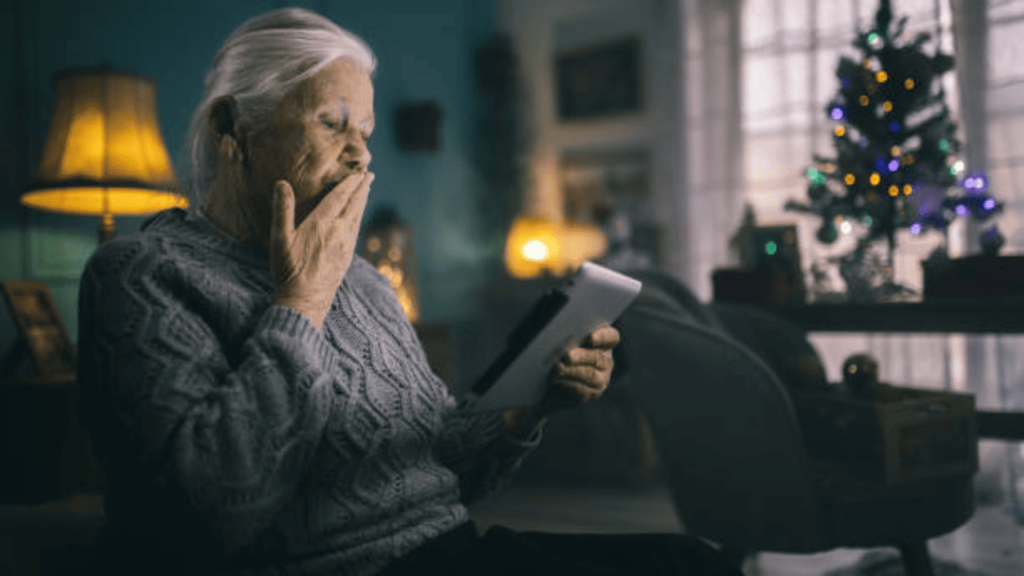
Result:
[{"x": 916, "y": 560}]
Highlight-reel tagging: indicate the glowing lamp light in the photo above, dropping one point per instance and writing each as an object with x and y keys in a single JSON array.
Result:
[
  {"x": 388, "y": 247},
  {"x": 104, "y": 154},
  {"x": 538, "y": 245},
  {"x": 536, "y": 251}
]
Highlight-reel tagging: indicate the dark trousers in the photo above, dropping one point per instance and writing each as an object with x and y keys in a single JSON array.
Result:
[{"x": 504, "y": 552}]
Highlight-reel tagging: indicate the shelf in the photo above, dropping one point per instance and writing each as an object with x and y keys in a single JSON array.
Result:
[{"x": 993, "y": 316}]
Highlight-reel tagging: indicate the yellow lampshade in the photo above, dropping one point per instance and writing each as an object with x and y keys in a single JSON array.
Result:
[
  {"x": 536, "y": 245},
  {"x": 582, "y": 242},
  {"x": 104, "y": 154}
]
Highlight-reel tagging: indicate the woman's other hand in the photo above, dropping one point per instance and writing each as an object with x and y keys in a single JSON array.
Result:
[
  {"x": 309, "y": 262},
  {"x": 582, "y": 375}
]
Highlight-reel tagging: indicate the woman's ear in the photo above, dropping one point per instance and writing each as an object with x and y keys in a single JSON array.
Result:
[
  {"x": 224, "y": 116},
  {"x": 224, "y": 125}
]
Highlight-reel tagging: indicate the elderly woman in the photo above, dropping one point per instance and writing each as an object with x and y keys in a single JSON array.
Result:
[{"x": 253, "y": 389}]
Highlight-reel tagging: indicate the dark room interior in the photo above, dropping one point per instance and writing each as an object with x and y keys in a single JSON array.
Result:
[{"x": 820, "y": 368}]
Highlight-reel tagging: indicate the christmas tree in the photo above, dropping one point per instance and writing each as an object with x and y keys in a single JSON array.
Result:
[{"x": 896, "y": 164}]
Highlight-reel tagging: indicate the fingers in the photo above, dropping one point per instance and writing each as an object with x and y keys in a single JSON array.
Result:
[
  {"x": 336, "y": 201},
  {"x": 600, "y": 359},
  {"x": 352, "y": 213},
  {"x": 282, "y": 218},
  {"x": 587, "y": 374},
  {"x": 604, "y": 337}
]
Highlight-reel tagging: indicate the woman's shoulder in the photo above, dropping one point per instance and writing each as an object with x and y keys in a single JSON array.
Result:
[{"x": 169, "y": 239}]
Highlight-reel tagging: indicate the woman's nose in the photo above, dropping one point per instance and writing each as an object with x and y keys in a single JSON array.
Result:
[{"x": 357, "y": 156}]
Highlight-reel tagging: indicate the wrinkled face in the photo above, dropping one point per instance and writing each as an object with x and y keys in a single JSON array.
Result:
[{"x": 316, "y": 136}]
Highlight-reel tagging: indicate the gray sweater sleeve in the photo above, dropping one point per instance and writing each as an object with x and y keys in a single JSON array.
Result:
[
  {"x": 218, "y": 445},
  {"x": 481, "y": 451}
]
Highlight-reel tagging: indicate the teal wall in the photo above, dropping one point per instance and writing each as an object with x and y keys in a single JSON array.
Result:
[{"x": 425, "y": 51}]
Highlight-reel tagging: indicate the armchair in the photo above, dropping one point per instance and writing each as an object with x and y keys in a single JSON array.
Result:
[{"x": 733, "y": 452}]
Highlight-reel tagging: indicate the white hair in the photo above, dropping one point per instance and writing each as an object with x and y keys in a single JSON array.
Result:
[{"x": 257, "y": 65}]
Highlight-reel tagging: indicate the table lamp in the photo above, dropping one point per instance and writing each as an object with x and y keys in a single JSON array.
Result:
[
  {"x": 104, "y": 154},
  {"x": 537, "y": 245}
]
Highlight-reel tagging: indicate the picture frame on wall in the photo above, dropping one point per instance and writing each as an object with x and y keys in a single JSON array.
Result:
[
  {"x": 613, "y": 190},
  {"x": 41, "y": 331},
  {"x": 600, "y": 81}
]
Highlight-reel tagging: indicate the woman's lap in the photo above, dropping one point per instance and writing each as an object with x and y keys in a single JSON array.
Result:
[{"x": 501, "y": 551}]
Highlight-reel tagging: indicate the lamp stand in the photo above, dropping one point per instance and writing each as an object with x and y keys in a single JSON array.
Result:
[{"x": 106, "y": 227}]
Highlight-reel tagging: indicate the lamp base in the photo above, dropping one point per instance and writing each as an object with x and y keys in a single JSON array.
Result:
[{"x": 106, "y": 231}]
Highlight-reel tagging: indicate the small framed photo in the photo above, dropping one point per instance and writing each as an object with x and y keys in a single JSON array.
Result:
[
  {"x": 40, "y": 327},
  {"x": 600, "y": 81}
]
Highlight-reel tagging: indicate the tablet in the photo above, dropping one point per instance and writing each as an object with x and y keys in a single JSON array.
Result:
[{"x": 558, "y": 321}]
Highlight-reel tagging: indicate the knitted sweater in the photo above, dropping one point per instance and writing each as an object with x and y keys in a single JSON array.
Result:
[{"x": 238, "y": 438}]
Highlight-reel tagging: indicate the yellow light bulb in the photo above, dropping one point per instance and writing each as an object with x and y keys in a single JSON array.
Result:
[
  {"x": 875, "y": 179},
  {"x": 840, "y": 131},
  {"x": 850, "y": 179},
  {"x": 894, "y": 190},
  {"x": 909, "y": 159},
  {"x": 887, "y": 106},
  {"x": 907, "y": 189},
  {"x": 895, "y": 151},
  {"x": 908, "y": 83},
  {"x": 864, "y": 101},
  {"x": 881, "y": 76},
  {"x": 830, "y": 167},
  {"x": 535, "y": 250}
]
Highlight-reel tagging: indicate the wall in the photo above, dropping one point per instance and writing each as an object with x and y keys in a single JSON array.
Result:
[
  {"x": 425, "y": 52},
  {"x": 540, "y": 29}
]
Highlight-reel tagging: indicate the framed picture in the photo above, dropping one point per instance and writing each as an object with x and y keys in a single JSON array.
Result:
[
  {"x": 600, "y": 81},
  {"x": 612, "y": 189},
  {"x": 40, "y": 328}
]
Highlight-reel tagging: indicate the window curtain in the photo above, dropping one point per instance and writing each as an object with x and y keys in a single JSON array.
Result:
[{"x": 759, "y": 74}]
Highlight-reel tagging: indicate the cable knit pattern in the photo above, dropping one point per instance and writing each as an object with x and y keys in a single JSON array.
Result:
[{"x": 238, "y": 438}]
